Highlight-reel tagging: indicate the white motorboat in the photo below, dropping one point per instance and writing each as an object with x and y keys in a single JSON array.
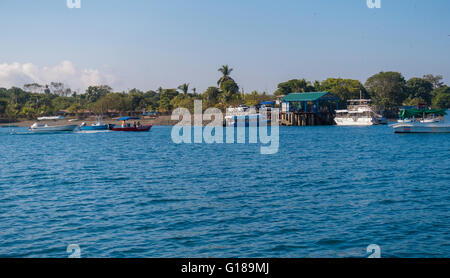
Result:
[
  {"x": 360, "y": 112},
  {"x": 52, "y": 118},
  {"x": 429, "y": 121},
  {"x": 49, "y": 128},
  {"x": 244, "y": 116},
  {"x": 99, "y": 125}
]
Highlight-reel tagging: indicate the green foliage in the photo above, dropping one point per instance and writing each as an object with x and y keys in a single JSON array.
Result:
[
  {"x": 345, "y": 89},
  {"x": 4, "y": 93},
  {"x": 28, "y": 112},
  {"x": 211, "y": 96},
  {"x": 166, "y": 97},
  {"x": 12, "y": 110},
  {"x": 229, "y": 88},
  {"x": 435, "y": 80},
  {"x": 235, "y": 100},
  {"x": 441, "y": 97},
  {"x": 151, "y": 100},
  {"x": 254, "y": 98},
  {"x": 119, "y": 102},
  {"x": 294, "y": 86},
  {"x": 419, "y": 88},
  {"x": 3, "y": 105},
  {"x": 184, "y": 101},
  {"x": 387, "y": 88},
  {"x": 184, "y": 88},
  {"x": 136, "y": 100},
  {"x": 74, "y": 108},
  {"x": 94, "y": 93},
  {"x": 62, "y": 103},
  {"x": 34, "y": 88},
  {"x": 226, "y": 71},
  {"x": 410, "y": 101}
]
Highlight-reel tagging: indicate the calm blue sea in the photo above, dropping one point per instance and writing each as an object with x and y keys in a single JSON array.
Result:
[{"x": 328, "y": 192}]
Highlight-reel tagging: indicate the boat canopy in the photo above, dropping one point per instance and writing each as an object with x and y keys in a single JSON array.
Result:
[
  {"x": 267, "y": 103},
  {"x": 128, "y": 118},
  {"x": 409, "y": 113}
]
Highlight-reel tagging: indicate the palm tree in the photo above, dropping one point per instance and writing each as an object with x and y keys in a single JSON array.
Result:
[
  {"x": 184, "y": 88},
  {"x": 226, "y": 71}
]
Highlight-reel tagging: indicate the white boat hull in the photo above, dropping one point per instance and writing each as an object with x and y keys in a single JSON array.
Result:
[
  {"x": 359, "y": 113},
  {"x": 43, "y": 129},
  {"x": 354, "y": 121},
  {"x": 359, "y": 121},
  {"x": 422, "y": 128}
]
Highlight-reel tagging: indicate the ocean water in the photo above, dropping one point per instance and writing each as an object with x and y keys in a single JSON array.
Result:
[{"x": 328, "y": 192}]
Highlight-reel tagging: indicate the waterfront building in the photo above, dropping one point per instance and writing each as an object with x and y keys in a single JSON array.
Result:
[{"x": 307, "y": 109}]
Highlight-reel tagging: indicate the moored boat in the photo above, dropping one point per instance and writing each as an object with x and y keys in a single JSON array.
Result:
[
  {"x": 43, "y": 128},
  {"x": 128, "y": 127},
  {"x": 49, "y": 128},
  {"x": 251, "y": 120},
  {"x": 99, "y": 125},
  {"x": 360, "y": 112},
  {"x": 243, "y": 116},
  {"x": 422, "y": 121}
]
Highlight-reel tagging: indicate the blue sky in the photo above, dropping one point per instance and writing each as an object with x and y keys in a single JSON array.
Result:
[{"x": 152, "y": 43}]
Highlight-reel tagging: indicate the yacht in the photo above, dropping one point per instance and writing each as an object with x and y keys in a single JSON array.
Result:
[
  {"x": 360, "y": 112},
  {"x": 244, "y": 116}
]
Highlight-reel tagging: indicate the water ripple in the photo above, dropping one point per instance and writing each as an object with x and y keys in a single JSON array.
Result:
[{"x": 329, "y": 192}]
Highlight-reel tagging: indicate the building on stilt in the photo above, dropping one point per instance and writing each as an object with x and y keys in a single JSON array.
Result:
[{"x": 308, "y": 109}]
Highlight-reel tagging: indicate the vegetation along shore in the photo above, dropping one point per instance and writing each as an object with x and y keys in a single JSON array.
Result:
[{"x": 389, "y": 90}]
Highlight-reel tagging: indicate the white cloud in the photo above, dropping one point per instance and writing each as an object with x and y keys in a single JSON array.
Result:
[{"x": 17, "y": 74}]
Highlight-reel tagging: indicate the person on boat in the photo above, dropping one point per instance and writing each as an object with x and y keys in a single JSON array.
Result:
[
  {"x": 139, "y": 124},
  {"x": 123, "y": 123}
]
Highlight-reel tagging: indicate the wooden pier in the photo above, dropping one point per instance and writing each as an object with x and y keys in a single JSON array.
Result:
[{"x": 306, "y": 119}]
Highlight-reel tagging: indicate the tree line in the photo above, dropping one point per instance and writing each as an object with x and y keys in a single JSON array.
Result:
[{"x": 389, "y": 90}]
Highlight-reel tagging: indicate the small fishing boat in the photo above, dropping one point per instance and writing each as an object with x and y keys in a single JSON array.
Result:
[
  {"x": 43, "y": 128},
  {"x": 49, "y": 128},
  {"x": 136, "y": 127},
  {"x": 99, "y": 125},
  {"x": 422, "y": 121}
]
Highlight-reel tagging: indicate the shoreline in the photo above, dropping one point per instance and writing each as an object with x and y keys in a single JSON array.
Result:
[
  {"x": 159, "y": 121},
  {"x": 164, "y": 120}
]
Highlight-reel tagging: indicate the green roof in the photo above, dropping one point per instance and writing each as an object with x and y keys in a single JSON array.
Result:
[
  {"x": 309, "y": 96},
  {"x": 408, "y": 113}
]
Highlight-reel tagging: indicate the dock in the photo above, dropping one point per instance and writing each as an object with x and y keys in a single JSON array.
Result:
[{"x": 308, "y": 109}]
